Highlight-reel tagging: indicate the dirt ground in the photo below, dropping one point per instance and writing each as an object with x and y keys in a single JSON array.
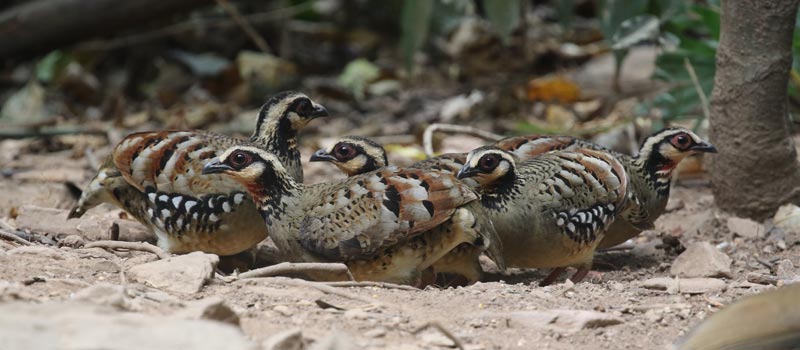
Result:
[{"x": 506, "y": 311}]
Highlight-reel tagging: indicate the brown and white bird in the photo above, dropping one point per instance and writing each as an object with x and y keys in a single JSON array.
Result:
[
  {"x": 157, "y": 177},
  {"x": 356, "y": 155},
  {"x": 650, "y": 172},
  {"x": 553, "y": 210},
  {"x": 386, "y": 225}
]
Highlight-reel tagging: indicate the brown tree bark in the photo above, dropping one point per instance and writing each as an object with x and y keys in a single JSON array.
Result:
[
  {"x": 40, "y": 25},
  {"x": 756, "y": 169}
]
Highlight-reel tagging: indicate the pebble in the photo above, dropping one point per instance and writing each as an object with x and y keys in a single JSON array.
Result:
[
  {"x": 376, "y": 333},
  {"x": 701, "y": 259},
  {"x": 746, "y": 228},
  {"x": 291, "y": 339},
  {"x": 283, "y": 310},
  {"x": 214, "y": 308},
  {"x": 686, "y": 285},
  {"x": 184, "y": 274}
]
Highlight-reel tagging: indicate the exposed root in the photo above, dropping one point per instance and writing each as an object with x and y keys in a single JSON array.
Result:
[
  {"x": 385, "y": 285},
  {"x": 140, "y": 246},
  {"x": 286, "y": 268},
  {"x": 8, "y": 235},
  {"x": 427, "y": 137}
]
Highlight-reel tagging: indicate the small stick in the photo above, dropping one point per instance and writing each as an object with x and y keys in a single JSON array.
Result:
[
  {"x": 140, "y": 246},
  {"x": 246, "y": 27},
  {"x": 294, "y": 282},
  {"x": 371, "y": 284},
  {"x": 445, "y": 331},
  {"x": 698, "y": 88},
  {"x": 427, "y": 136},
  {"x": 287, "y": 268},
  {"x": 762, "y": 279},
  {"x": 12, "y": 237}
]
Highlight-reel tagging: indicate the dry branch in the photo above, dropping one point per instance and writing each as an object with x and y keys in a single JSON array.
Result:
[
  {"x": 385, "y": 285},
  {"x": 41, "y": 25},
  {"x": 12, "y": 237},
  {"x": 427, "y": 137},
  {"x": 286, "y": 268},
  {"x": 140, "y": 246}
]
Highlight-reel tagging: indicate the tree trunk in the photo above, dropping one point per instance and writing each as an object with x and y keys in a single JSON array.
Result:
[{"x": 756, "y": 169}]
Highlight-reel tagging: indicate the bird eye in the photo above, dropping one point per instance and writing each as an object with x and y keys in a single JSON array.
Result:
[
  {"x": 344, "y": 152},
  {"x": 681, "y": 141},
  {"x": 488, "y": 162},
  {"x": 304, "y": 107},
  {"x": 239, "y": 159}
]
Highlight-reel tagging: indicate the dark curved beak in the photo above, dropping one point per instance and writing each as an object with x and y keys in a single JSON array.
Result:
[
  {"x": 322, "y": 156},
  {"x": 319, "y": 111},
  {"x": 466, "y": 172},
  {"x": 215, "y": 167},
  {"x": 704, "y": 147}
]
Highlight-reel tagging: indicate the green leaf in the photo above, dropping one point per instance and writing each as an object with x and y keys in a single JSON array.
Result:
[
  {"x": 635, "y": 30},
  {"x": 415, "y": 23},
  {"x": 50, "y": 67},
  {"x": 504, "y": 16}
]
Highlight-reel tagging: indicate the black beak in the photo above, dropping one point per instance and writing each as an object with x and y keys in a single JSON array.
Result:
[
  {"x": 466, "y": 172},
  {"x": 322, "y": 156},
  {"x": 704, "y": 147},
  {"x": 319, "y": 111},
  {"x": 215, "y": 167}
]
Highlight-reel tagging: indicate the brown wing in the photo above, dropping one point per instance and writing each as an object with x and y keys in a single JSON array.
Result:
[
  {"x": 373, "y": 211},
  {"x": 449, "y": 162},
  {"x": 582, "y": 190},
  {"x": 530, "y": 146},
  {"x": 172, "y": 161}
]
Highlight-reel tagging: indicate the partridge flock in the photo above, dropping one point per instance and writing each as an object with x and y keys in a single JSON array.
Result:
[{"x": 528, "y": 201}]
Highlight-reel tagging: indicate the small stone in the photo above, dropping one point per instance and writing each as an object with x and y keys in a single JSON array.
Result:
[
  {"x": 674, "y": 204},
  {"x": 661, "y": 283},
  {"x": 701, "y": 285},
  {"x": 49, "y": 220},
  {"x": 785, "y": 269},
  {"x": 376, "y": 333},
  {"x": 291, "y": 339},
  {"x": 746, "y": 228},
  {"x": 788, "y": 218},
  {"x": 72, "y": 241},
  {"x": 180, "y": 274},
  {"x": 104, "y": 294},
  {"x": 213, "y": 308},
  {"x": 333, "y": 341},
  {"x": 701, "y": 259},
  {"x": 283, "y": 310}
]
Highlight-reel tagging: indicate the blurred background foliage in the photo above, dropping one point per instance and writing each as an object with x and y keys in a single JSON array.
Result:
[{"x": 584, "y": 67}]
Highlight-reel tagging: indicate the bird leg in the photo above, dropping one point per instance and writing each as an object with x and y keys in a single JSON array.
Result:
[{"x": 553, "y": 276}]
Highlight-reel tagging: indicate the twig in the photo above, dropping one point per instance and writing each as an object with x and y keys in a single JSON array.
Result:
[
  {"x": 758, "y": 278},
  {"x": 371, "y": 284},
  {"x": 295, "y": 282},
  {"x": 427, "y": 137},
  {"x": 286, "y": 268},
  {"x": 698, "y": 88},
  {"x": 140, "y": 246},
  {"x": 766, "y": 263},
  {"x": 246, "y": 27},
  {"x": 435, "y": 324},
  {"x": 12, "y": 237}
]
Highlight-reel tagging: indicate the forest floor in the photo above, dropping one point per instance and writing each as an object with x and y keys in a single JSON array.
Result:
[{"x": 54, "y": 282}]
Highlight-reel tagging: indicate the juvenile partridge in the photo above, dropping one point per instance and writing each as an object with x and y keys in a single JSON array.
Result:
[
  {"x": 553, "y": 210},
  {"x": 386, "y": 225},
  {"x": 156, "y": 177},
  {"x": 355, "y": 155},
  {"x": 650, "y": 172}
]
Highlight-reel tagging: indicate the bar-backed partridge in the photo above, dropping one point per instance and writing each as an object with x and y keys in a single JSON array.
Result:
[
  {"x": 553, "y": 210},
  {"x": 356, "y": 155},
  {"x": 156, "y": 177},
  {"x": 386, "y": 225},
  {"x": 650, "y": 172}
]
